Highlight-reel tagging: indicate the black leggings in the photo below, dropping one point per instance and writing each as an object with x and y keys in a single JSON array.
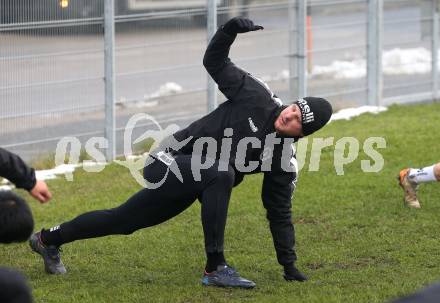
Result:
[{"x": 150, "y": 207}]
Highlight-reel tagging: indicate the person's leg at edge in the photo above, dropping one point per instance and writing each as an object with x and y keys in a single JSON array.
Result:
[
  {"x": 410, "y": 178},
  {"x": 425, "y": 174}
]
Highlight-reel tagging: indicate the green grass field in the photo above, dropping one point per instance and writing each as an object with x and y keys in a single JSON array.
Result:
[{"x": 355, "y": 239}]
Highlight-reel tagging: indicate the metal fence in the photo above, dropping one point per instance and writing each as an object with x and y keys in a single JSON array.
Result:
[{"x": 83, "y": 68}]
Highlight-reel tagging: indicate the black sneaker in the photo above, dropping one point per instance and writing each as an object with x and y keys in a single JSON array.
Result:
[
  {"x": 291, "y": 273},
  {"x": 50, "y": 254},
  {"x": 226, "y": 276}
]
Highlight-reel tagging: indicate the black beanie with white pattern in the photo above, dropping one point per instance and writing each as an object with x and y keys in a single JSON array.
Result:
[{"x": 315, "y": 113}]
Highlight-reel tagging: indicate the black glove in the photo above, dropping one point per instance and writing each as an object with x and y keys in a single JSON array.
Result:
[
  {"x": 291, "y": 273},
  {"x": 240, "y": 25}
]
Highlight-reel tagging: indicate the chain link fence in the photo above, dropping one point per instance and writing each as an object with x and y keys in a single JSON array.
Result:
[{"x": 83, "y": 68}]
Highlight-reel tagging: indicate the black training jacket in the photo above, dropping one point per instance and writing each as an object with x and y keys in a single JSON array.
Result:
[
  {"x": 15, "y": 170},
  {"x": 251, "y": 110}
]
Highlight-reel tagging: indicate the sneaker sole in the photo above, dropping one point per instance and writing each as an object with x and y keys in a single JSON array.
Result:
[{"x": 205, "y": 282}]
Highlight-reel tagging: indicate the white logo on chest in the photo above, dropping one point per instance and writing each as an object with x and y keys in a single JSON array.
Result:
[
  {"x": 252, "y": 125},
  {"x": 165, "y": 158}
]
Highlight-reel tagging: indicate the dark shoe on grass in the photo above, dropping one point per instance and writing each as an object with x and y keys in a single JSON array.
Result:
[
  {"x": 291, "y": 273},
  {"x": 226, "y": 276},
  {"x": 50, "y": 255}
]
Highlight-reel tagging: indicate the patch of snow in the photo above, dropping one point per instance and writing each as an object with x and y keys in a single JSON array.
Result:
[
  {"x": 342, "y": 69},
  {"x": 394, "y": 62},
  {"x": 348, "y": 113},
  {"x": 167, "y": 89},
  {"x": 49, "y": 174},
  {"x": 406, "y": 61}
]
